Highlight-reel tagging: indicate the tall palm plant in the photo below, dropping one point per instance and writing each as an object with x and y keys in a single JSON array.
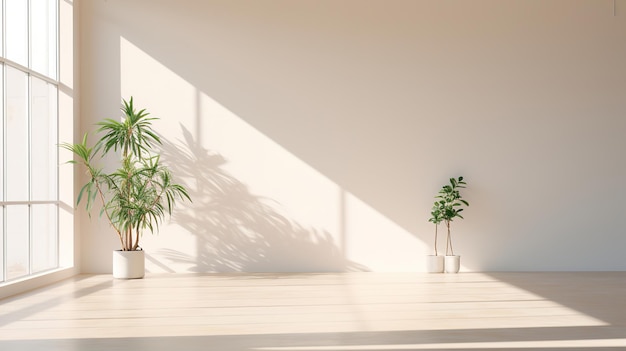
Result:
[{"x": 138, "y": 194}]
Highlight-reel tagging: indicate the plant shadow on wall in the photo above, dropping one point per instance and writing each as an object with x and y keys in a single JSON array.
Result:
[{"x": 237, "y": 231}]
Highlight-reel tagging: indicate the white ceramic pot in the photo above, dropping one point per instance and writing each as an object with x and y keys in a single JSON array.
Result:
[
  {"x": 453, "y": 264},
  {"x": 128, "y": 264},
  {"x": 434, "y": 264}
]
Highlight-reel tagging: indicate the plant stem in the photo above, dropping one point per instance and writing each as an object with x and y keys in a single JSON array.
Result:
[
  {"x": 449, "y": 243},
  {"x": 436, "y": 238},
  {"x": 129, "y": 239},
  {"x": 119, "y": 234},
  {"x": 136, "y": 244}
]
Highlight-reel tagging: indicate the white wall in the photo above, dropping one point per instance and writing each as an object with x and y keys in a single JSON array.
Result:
[{"x": 313, "y": 135}]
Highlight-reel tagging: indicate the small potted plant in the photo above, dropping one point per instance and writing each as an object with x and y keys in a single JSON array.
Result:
[
  {"x": 137, "y": 195},
  {"x": 449, "y": 205},
  {"x": 435, "y": 263}
]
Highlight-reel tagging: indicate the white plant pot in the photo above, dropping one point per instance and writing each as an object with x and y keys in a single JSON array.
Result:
[
  {"x": 434, "y": 264},
  {"x": 453, "y": 264},
  {"x": 128, "y": 264}
]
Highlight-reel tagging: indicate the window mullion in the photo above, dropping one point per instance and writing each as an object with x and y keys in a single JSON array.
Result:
[
  {"x": 4, "y": 230},
  {"x": 29, "y": 98},
  {"x": 26, "y": 69},
  {"x": 4, "y": 29},
  {"x": 29, "y": 104}
]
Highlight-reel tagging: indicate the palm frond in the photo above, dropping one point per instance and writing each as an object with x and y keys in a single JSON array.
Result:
[{"x": 136, "y": 196}]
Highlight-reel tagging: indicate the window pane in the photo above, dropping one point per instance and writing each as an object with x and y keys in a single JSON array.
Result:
[
  {"x": 44, "y": 237},
  {"x": 17, "y": 136},
  {"x": 28, "y": 137},
  {"x": 17, "y": 31},
  {"x": 43, "y": 140},
  {"x": 2, "y": 244},
  {"x": 17, "y": 241},
  {"x": 43, "y": 37},
  {"x": 1, "y": 34},
  {"x": 1, "y": 135}
]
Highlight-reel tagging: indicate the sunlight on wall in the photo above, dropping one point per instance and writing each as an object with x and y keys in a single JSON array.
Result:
[
  {"x": 168, "y": 97},
  {"x": 377, "y": 240},
  {"x": 256, "y": 206},
  {"x": 297, "y": 190}
]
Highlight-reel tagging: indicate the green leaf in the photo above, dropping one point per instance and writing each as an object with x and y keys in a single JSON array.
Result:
[
  {"x": 136, "y": 196},
  {"x": 80, "y": 194}
]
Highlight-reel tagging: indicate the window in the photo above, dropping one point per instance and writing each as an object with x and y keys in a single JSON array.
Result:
[{"x": 28, "y": 143}]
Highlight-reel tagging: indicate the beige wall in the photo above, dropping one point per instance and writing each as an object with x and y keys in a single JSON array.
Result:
[{"x": 313, "y": 135}]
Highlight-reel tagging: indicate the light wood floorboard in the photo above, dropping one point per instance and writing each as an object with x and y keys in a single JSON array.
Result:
[{"x": 321, "y": 312}]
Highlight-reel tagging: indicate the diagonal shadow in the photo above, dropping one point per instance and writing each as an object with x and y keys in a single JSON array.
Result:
[
  {"x": 237, "y": 231},
  {"x": 601, "y": 295},
  {"x": 22, "y": 313},
  {"x": 511, "y": 339}
]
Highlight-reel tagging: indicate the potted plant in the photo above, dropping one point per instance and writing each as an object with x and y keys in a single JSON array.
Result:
[
  {"x": 449, "y": 205},
  {"x": 435, "y": 263},
  {"x": 137, "y": 195}
]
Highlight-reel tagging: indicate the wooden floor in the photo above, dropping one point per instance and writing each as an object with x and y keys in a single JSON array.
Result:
[{"x": 321, "y": 312}]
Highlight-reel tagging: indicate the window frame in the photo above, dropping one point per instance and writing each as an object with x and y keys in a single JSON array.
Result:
[{"x": 55, "y": 193}]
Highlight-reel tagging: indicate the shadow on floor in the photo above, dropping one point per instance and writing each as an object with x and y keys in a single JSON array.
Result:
[
  {"x": 22, "y": 313},
  {"x": 490, "y": 339},
  {"x": 601, "y": 295}
]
